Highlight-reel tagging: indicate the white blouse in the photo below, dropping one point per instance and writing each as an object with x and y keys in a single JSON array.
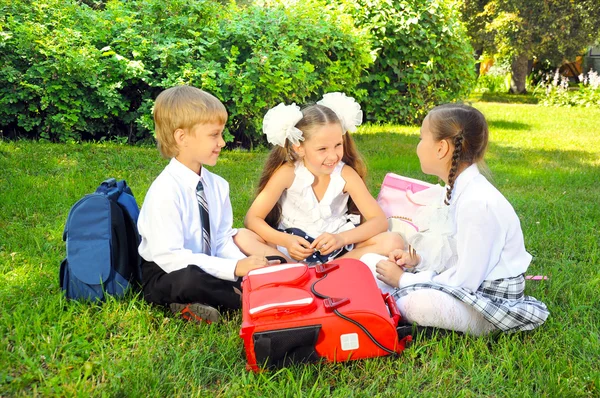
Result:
[
  {"x": 301, "y": 209},
  {"x": 486, "y": 233}
]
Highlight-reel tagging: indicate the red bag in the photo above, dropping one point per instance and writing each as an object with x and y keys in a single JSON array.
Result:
[
  {"x": 334, "y": 312},
  {"x": 396, "y": 197}
]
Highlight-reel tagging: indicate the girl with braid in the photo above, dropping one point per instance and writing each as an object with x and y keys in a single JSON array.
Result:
[{"x": 477, "y": 285}]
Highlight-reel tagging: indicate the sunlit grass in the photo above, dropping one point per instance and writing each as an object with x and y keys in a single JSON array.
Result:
[{"x": 545, "y": 160}]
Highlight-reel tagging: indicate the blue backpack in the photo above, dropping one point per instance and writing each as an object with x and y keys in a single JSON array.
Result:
[{"x": 102, "y": 244}]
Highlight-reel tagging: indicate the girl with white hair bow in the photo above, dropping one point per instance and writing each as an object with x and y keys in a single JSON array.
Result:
[{"x": 311, "y": 195}]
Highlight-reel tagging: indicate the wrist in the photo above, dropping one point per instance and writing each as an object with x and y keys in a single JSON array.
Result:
[
  {"x": 399, "y": 278},
  {"x": 343, "y": 239},
  {"x": 282, "y": 238},
  {"x": 419, "y": 259}
]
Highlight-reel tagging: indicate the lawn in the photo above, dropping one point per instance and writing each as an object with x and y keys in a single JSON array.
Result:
[{"x": 545, "y": 160}]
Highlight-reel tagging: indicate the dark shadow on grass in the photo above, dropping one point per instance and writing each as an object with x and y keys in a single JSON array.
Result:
[
  {"x": 505, "y": 98},
  {"x": 502, "y": 124}
]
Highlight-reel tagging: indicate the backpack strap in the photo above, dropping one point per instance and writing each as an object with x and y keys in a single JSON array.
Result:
[{"x": 127, "y": 200}]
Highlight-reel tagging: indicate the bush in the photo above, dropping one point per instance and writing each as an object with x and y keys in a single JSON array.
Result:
[
  {"x": 73, "y": 72},
  {"x": 77, "y": 70},
  {"x": 299, "y": 53},
  {"x": 554, "y": 89},
  {"x": 423, "y": 57},
  {"x": 495, "y": 80},
  {"x": 166, "y": 40},
  {"x": 54, "y": 82}
]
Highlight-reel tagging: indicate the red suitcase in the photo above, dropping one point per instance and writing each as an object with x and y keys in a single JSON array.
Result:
[{"x": 335, "y": 311}]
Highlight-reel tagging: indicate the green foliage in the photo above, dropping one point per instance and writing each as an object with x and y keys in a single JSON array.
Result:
[
  {"x": 523, "y": 30},
  {"x": 495, "y": 80},
  {"x": 55, "y": 82},
  {"x": 547, "y": 29},
  {"x": 554, "y": 89},
  {"x": 299, "y": 53},
  {"x": 423, "y": 57},
  {"x": 73, "y": 72}
]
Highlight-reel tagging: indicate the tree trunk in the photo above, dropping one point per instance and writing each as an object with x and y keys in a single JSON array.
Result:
[
  {"x": 478, "y": 53},
  {"x": 519, "y": 68}
]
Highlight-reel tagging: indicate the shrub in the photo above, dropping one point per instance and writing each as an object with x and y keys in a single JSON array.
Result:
[
  {"x": 54, "y": 83},
  {"x": 266, "y": 55},
  {"x": 423, "y": 57},
  {"x": 166, "y": 40},
  {"x": 72, "y": 71},
  {"x": 495, "y": 80},
  {"x": 553, "y": 89}
]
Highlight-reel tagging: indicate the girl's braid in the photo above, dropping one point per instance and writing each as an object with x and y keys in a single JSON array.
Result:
[{"x": 455, "y": 159}]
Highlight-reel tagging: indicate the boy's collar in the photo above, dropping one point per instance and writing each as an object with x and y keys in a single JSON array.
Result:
[{"x": 187, "y": 176}]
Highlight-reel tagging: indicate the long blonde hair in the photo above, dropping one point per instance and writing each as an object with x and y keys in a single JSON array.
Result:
[{"x": 313, "y": 117}]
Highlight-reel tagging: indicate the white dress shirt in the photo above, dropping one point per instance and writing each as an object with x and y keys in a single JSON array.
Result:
[
  {"x": 488, "y": 237},
  {"x": 170, "y": 228}
]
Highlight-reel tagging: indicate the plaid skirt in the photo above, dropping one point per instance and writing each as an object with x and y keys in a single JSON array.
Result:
[{"x": 502, "y": 302}]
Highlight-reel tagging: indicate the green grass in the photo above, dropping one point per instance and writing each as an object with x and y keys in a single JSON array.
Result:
[{"x": 545, "y": 160}]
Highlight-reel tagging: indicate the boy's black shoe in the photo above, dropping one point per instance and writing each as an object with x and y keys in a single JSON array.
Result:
[{"x": 196, "y": 312}]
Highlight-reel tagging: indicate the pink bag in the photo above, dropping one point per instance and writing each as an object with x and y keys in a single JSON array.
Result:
[{"x": 395, "y": 197}]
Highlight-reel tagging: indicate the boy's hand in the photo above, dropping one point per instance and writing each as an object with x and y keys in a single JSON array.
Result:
[
  {"x": 326, "y": 243},
  {"x": 298, "y": 247},
  {"x": 403, "y": 259},
  {"x": 249, "y": 263},
  {"x": 389, "y": 272}
]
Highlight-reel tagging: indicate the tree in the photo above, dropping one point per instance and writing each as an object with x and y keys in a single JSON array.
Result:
[{"x": 521, "y": 30}]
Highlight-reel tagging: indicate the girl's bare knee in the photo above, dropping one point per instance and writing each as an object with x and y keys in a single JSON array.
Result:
[
  {"x": 395, "y": 241},
  {"x": 388, "y": 241}
]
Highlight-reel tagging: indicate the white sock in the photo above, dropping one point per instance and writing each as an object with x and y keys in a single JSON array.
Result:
[{"x": 428, "y": 307}]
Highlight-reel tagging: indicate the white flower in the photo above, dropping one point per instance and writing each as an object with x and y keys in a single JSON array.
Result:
[
  {"x": 594, "y": 79},
  {"x": 279, "y": 124},
  {"x": 556, "y": 78},
  {"x": 346, "y": 108}
]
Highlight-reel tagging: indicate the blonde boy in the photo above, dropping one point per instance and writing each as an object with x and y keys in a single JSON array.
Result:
[{"x": 192, "y": 257}]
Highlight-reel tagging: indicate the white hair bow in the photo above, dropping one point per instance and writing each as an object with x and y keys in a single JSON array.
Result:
[
  {"x": 279, "y": 124},
  {"x": 346, "y": 108}
]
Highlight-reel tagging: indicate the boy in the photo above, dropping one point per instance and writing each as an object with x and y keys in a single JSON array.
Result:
[{"x": 192, "y": 257}]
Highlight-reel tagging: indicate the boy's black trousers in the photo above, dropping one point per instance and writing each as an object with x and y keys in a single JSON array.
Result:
[{"x": 188, "y": 285}]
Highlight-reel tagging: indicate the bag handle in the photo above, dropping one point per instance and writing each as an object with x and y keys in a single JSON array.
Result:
[
  {"x": 391, "y": 303},
  {"x": 113, "y": 188},
  {"x": 109, "y": 183}
]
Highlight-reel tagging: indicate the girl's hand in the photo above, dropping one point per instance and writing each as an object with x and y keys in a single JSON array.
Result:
[
  {"x": 298, "y": 247},
  {"x": 327, "y": 243},
  {"x": 389, "y": 272},
  {"x": 403, "y": 259}
]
